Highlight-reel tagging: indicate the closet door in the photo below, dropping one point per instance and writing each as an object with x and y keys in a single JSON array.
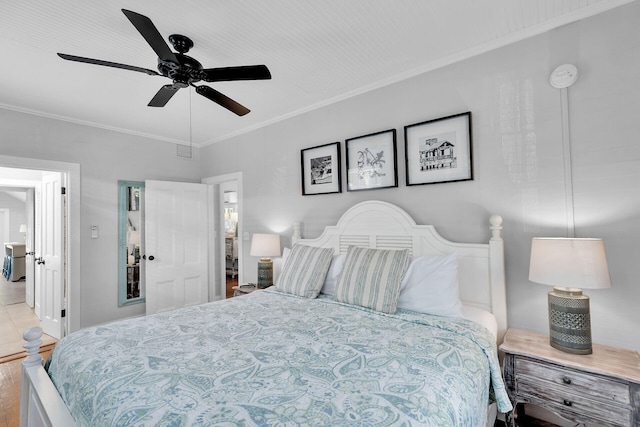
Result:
[{"x": 176, "y": 265}]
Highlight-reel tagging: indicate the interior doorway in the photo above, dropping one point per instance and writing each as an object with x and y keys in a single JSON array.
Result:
[
  {"x": 12, "y": 174},
  {"x": 226, "y": 239},
  {"x": 229, "y": 192}
]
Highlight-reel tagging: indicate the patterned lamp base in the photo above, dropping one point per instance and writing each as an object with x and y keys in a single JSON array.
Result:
[
  {"x": 265, "y": 273},
  {"x": 569, "y": 321}
]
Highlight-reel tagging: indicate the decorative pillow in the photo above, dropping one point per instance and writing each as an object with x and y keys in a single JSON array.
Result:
[
  {"x": 431, "y": 286},
  {"x": 371, "y": 278},
  {"x": 330, "y": 282},
  {"x": 304, "y": 270}
]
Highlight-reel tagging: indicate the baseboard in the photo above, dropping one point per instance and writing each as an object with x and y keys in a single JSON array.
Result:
[{"x": 22, "y": 354}]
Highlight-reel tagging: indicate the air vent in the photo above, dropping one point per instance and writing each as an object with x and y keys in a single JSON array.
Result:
[{"x": 183, "y": 151}]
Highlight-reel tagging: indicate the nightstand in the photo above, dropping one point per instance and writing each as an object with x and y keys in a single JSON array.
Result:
[
  {"x": 601, "y": 388},
  {"x": 245, "y": 288}
]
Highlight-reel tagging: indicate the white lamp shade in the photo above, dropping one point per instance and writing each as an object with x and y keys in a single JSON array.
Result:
[
  {"x": 569, "y": 262},
  {"x": 134, "y": 237},
  {"x": 265, "y": 245},
  {"x": 23, "y": 228}
]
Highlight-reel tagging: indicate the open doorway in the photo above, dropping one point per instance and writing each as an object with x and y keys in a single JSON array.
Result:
[
  {"x": 229, "y": 192},
  {"x": 226, "y": 239},
  {"x": 11, "y": 175},
  {"x": 21, "y": 295}
]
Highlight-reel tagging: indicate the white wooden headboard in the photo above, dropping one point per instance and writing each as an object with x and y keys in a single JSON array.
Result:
[{"x": 382, "y": 225}]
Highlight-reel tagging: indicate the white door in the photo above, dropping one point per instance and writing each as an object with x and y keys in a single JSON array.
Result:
[
  {"x": 52, "y": 275},
  {"x": 28, "y": 260},
  {"x": 175, "y": 245}
]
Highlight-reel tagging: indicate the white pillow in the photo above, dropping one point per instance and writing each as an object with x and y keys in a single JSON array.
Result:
[
  {"x": 430, "y": 286},
  {"x": 285, "y": 255},
  {"x": 335, "y": 269}
]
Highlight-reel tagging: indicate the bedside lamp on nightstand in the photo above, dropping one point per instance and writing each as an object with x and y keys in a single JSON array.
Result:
[
  {"x": 570, "y": 265},
  {"x": 265, "y": 246}
]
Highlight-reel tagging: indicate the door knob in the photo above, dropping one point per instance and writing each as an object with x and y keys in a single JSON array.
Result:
[{"x": 151, "y": 257}]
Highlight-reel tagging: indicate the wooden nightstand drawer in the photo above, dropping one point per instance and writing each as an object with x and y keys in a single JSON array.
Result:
[
  {"x": 590, "y": 386},
  {"x": 571, "y": 405},
  {"x": 602, "y": 388}
]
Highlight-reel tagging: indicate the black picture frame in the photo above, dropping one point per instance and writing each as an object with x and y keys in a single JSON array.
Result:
[
  {"x": 439, "y": 150},
  {"x": 321, "y": 169},
  {"x": 372, "y": 161}
]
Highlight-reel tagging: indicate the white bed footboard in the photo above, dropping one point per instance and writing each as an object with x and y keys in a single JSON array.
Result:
[{"x": 40, "y": 403}]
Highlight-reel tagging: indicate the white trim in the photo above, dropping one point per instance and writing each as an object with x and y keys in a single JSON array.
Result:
[
  {"x": 523, "y": 34},
  {"x": 219, "y": 246},
  {"x": 94, "y": 124}
]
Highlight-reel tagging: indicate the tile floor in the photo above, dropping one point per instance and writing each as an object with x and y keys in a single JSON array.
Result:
[{"x": 15, "y": 318}]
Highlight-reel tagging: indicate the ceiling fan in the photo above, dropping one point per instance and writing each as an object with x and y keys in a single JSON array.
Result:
[{"x": 182, "y": 69}]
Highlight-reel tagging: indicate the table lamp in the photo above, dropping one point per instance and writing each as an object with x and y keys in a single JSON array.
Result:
[
  {"x": 570, "y": 265},
  {"x": 265, "y": 245}
]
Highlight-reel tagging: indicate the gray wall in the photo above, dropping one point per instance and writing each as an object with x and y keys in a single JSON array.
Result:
[
  {"x": 17, "y": 216},
  {"x": 104, "y": 157},
  {"x": 517, "y": 134}
]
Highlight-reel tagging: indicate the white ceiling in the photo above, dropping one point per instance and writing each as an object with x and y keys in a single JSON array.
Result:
[{"x": 318, "y": 52}]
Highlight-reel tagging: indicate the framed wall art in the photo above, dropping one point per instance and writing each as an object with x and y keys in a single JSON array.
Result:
[
  {"x": 321, "y": 169},
  {"x": 439, "y": 150},
  {"x": 371, "y": 161}
]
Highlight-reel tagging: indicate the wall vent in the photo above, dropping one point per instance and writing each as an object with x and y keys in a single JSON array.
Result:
[{"x": 183, "y": 151}]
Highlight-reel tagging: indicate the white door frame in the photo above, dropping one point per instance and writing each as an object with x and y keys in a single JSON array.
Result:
[
  {"x": 30, "y": 274},
  {"x": 72, "y": 172},
  {"x": 216, "y": 231}
]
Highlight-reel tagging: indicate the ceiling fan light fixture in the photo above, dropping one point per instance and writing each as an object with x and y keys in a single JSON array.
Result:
[
  {"x": 181, "y": 43},
  {"x": 183, "y": 70}
]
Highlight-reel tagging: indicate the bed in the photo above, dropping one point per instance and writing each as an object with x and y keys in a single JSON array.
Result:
[{"x": 322, "y": 347}]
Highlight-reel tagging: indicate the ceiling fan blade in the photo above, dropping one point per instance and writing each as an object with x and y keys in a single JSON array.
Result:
[
  {"x": 222, "y": 100},
  {"x": 248, "y": 72},
  {"x": 108, "y": 64},
  {"x": 151, "y": 35},
  {"x": 163, "y": 96}
]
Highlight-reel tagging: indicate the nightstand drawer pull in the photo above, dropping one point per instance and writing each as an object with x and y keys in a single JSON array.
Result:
[
  {"x": 567, "y": 402},
  {"x": 566, "y": 380}
]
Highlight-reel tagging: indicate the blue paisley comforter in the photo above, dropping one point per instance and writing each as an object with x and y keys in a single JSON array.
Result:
[{"x": 270, "y": 359}]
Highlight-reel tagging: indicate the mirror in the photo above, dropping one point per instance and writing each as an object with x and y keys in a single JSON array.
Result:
[{"x": 130, "y": 242}]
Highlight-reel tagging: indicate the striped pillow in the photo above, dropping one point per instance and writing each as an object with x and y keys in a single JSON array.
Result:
[
  {"x": 371, "y": 278},
  {"x": 304, "y": 271}
]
